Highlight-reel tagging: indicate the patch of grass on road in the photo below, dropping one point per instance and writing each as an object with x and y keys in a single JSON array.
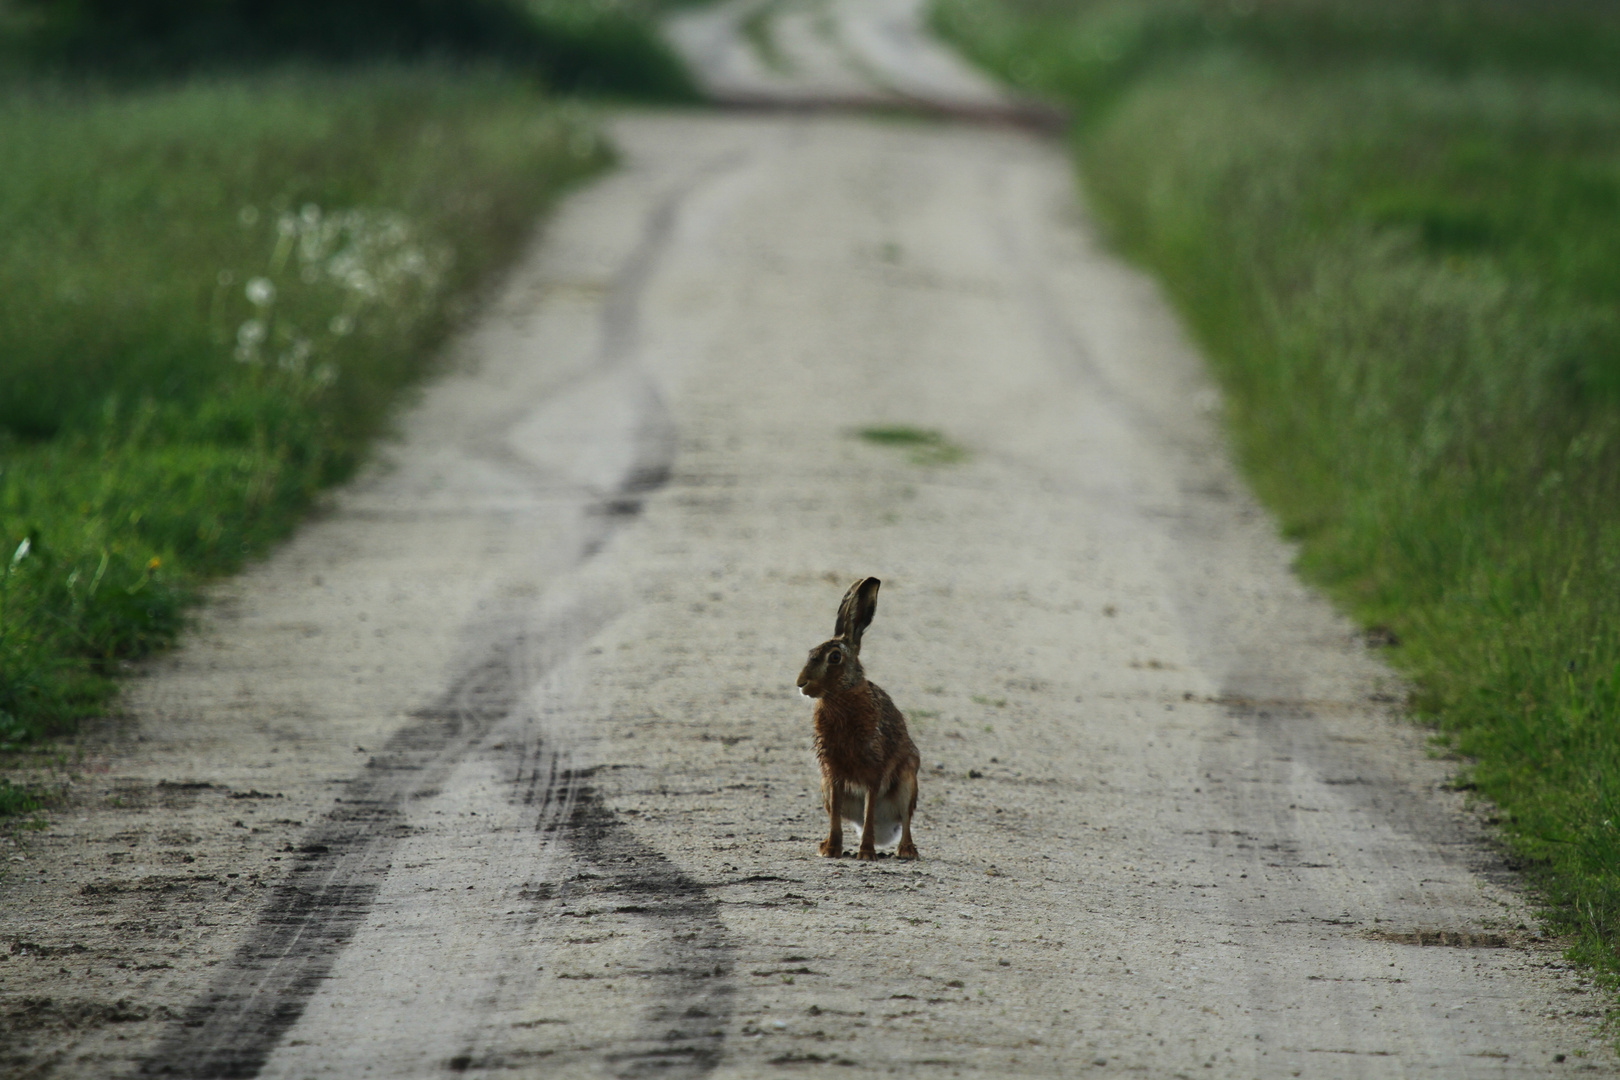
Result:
[
  {"x": 761, "y": 36},
  {"x": 926, "y": 445},
  {"x": 1396, "y": 229},
  {"x": 210, "y": 298}
]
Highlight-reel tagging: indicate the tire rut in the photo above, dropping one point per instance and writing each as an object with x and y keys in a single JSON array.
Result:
[{"x": 232, "y": 1029}]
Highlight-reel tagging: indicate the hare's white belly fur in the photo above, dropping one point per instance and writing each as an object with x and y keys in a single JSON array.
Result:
[{"x": 852, "y": 808}]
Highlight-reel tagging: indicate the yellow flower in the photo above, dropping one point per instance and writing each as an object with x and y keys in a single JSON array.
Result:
[{"x": 153, "y": 563}]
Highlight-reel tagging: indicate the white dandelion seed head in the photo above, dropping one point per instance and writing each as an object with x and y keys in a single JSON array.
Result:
[
  {"x": 360, "y": 281},
  {"x": 311, "y": 246},
  {"x": 343, "y": 264},
  {"x": 376, "y": 261},
  {"x": 261, "y": 292}
]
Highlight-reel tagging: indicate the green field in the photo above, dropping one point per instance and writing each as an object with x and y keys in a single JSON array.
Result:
[{"x": 1396, "y": 230}]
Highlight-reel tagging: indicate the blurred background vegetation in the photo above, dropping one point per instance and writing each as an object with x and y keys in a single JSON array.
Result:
[
  {"x": 1395, "y": 228},
  {"x": 601, "y": 46},
  {"x": 234, "y": 231}
]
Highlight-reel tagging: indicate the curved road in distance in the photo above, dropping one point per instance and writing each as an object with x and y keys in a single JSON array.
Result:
[{"x": 498, "y": 768}]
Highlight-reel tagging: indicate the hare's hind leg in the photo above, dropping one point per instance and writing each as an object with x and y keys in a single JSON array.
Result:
[
  {"x": 868, "y": 849},
  {"x": 833, "y": 846},
  {"x": 907, "y": 850}
]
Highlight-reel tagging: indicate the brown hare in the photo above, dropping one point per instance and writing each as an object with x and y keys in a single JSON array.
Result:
[{"x": 868, "y": 761}]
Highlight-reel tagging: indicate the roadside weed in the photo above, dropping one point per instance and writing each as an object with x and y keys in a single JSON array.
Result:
[{"x": 16, "y": 800}]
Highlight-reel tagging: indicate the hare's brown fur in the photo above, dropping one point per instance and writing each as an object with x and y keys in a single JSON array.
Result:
[{"x": 860, "y": 736}]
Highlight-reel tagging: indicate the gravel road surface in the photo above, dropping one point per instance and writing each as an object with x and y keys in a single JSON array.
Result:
[{"x": 498, "y": 768}]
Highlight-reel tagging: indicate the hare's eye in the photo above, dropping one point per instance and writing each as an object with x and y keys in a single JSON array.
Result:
[{"x": 835, "y": 657}]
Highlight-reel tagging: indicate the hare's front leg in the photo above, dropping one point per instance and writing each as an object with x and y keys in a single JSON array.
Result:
[
  {"x": 868, "y": 849},
  {"x": 907, "y": 850},
  {"x": 833, "y": 846}
]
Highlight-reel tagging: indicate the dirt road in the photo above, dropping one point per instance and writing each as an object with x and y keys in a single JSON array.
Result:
[{"x": 498, "y": 768}]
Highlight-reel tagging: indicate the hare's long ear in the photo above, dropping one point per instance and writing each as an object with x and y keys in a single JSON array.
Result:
[{"x": 855, "y": 613}]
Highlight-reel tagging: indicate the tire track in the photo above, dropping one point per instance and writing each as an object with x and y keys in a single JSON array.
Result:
[
  {"x": 686, "y": 1024},
  {"x": 312, "y": 914},
  {"x": 231, "y": 1030}
]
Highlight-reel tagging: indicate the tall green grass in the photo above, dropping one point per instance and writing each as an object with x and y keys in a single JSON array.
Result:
[
  {"x": 1396, "y": 228},
  {"x": 210, "y": 296}
]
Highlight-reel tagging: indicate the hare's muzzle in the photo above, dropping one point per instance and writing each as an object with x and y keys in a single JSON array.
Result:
[{"x": 805, "y": 686}]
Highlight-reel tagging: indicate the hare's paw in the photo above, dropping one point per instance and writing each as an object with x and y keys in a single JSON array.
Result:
[
  {"x": 866, "y": 854},
  {"x": 833, "y": 849},
  {"x": 906, "y": 851}
]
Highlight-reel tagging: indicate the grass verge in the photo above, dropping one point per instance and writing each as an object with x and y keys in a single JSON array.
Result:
[
  {"x": 210, "y": 296},
  {"x": 1396, "y": 230}
]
